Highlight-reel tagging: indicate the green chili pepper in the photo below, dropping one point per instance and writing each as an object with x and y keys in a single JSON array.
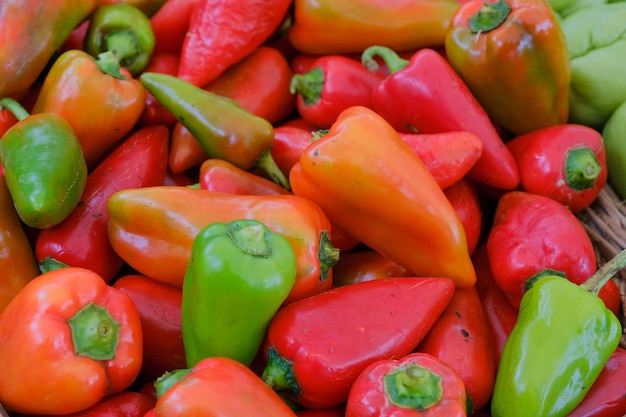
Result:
[
  {"x": 614, "y": 135},
  {"x": 44, "y": 166},
  {"x": 125, "y": 31},
  {"x": 238, "y": 276},
  {"x": 223, "y": 128},
  {"x": 563, "y": 337}
]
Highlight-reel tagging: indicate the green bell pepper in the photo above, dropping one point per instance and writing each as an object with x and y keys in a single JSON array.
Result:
[
  {"x": 596, "y": 41},
  {"x": 614, "y": 135},
  {"x": 44, "y": 166},
  {"x": 238, "y": 276},
  {"x": 123, "y": 30},
  {"x": 562, "y": 339}
]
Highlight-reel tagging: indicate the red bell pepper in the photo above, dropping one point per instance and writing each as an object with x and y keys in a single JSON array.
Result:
[
  {"x": 259, "y": 83},
  {"x": 84, "y": 335},
  {"x": 289, "y": 143},
  {"x": 425, "y": 95},
  {"x": 332, "y": 84},
  {"x": 532, "y": 233},
  {"x": 563, "y": 162},
  {"x": 217, "y": 386},
  {"x": 82, "y": 238},
  {"x": 466, "y": 203},
  {"x": 365, "y": 265},
  {"x": 606, "y": 397},
  {"x": 170, "y": 24},
  {"x": 159, "y": 308},
  {"x": 337, "y": 411},
  {"x": 416, "y": 384},
  {"x": 448, "y": 156},
  {"x": 223, "y": 32},
  {"x": 316, "y": 347},
  {"x": 124, "y": 404},
  {"x": 154, "y": 113},
  {"x": 461, "y": 339}
]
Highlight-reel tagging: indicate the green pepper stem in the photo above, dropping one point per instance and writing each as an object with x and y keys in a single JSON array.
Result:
[
  {"x": 108, "y": 64},
  {"x": 309, "y": 85},
  {"x": 581, "y": 168},
  {"x": 124, "y": 46},
  {"x": 413, "y": 387},
  {"x": 165, "y": 381},
  {"x": 393, "y": 61},
  {"x": 48, "y": 264},
  {"x": 327, "y": 254},
  {"x": 278, "y": 373},
  {"x": 595, "y": 283},
  {"x": 95, "y": 333},
  {"x": 250, "y": 239},
  {"x": 14, "y": 107},
  {"x": 489, "y": 17},
  {"x": 266, "y": 163}
]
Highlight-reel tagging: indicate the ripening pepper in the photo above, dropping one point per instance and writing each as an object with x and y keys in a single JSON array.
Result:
[
  {"x": 163, "y": 253},
  {"x": 125, "y": 31},
  {"x": 565, "y": 162},
  {"x": 224, "y": 177},
  {"x": 613, "y": 135},
  {"x": 322, "y": 27},
  {"x": 217, "y": 386},
  {"x": 239, "y": 274},
  {"x": 596, "y": 42},
  {"x": 74, "y": 82},
  {"x": 17, "y": 258},
  {"x": 362, "y": 170},
  {"x": 513, "y": 57},
  {"x": 44, "y": 166},
  {"x": 416, "y": 384},
  {"x": 563, "y": 338},
  {"x": 153, "y": 112},
  {"x": 84, "y": 335},
  {"x": 223, "y": 128},
  {"x": 31, "y": 34}
]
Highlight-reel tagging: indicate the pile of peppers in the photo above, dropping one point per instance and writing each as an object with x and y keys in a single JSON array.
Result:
[{"x": 312, "y": 208}]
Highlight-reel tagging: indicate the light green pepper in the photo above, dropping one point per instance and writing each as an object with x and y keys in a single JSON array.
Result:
[
  {"x": 596, "y": 41},
  {"x": 614, "y": 135}
]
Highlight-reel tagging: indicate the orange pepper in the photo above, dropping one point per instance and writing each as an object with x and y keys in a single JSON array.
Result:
[
  {"x": 17, "y": 257},
  {"x": 349, "y": 26},
  {"x": 76, "y": 81},
  {"x": 153, "y": 229},
  {"x": 185, "y": 151},
  {"x": 371, "y": 184}
]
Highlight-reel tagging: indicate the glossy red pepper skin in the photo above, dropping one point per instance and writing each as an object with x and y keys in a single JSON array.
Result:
[
  {"x": 170, "y": 24},
  {"x": 222, "y": 32},
  {"x": 428, "y": 96},
  {"x": 185, "y": 151},
  {"x": 369, "y": 396},
  {"x": 466, "y": 203},
  {"x": 124, "y": 404},
  {"x": 398, "y": 314},
  {"x": 606, "y": 397},
  {"x": 365, "y": 265},
  {"x": 82, "y": 238},
  {"x": 159, "y": 308},
  {"x": 154, "y": 113},
  {"x": 448, "y": 156},
  {"x": 337, "y": 411},
  {"x": 289, "y": 143},
  {"x": 530, "y": 233},
  {"x": 564, "y": 162},
  {"x": 500, "y": 315},
  {"x": 222, "y": 176},
  {"x": 461, "y": 339},
  {"x": 332, "y": 84},
  {"x": 7, "y": 119},
  {"x": 259, "y": 83}
]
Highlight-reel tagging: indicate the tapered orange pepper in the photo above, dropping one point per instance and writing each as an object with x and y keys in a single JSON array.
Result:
[
  {"x": 17, "y": 257},
  {"x": 370, "y": 184},
  {"x": 31, "y": 33},
  {"x": 349, "y": 26},
  {"x": 153, "y": 229},
  {"x": 74, "y": 82}
]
